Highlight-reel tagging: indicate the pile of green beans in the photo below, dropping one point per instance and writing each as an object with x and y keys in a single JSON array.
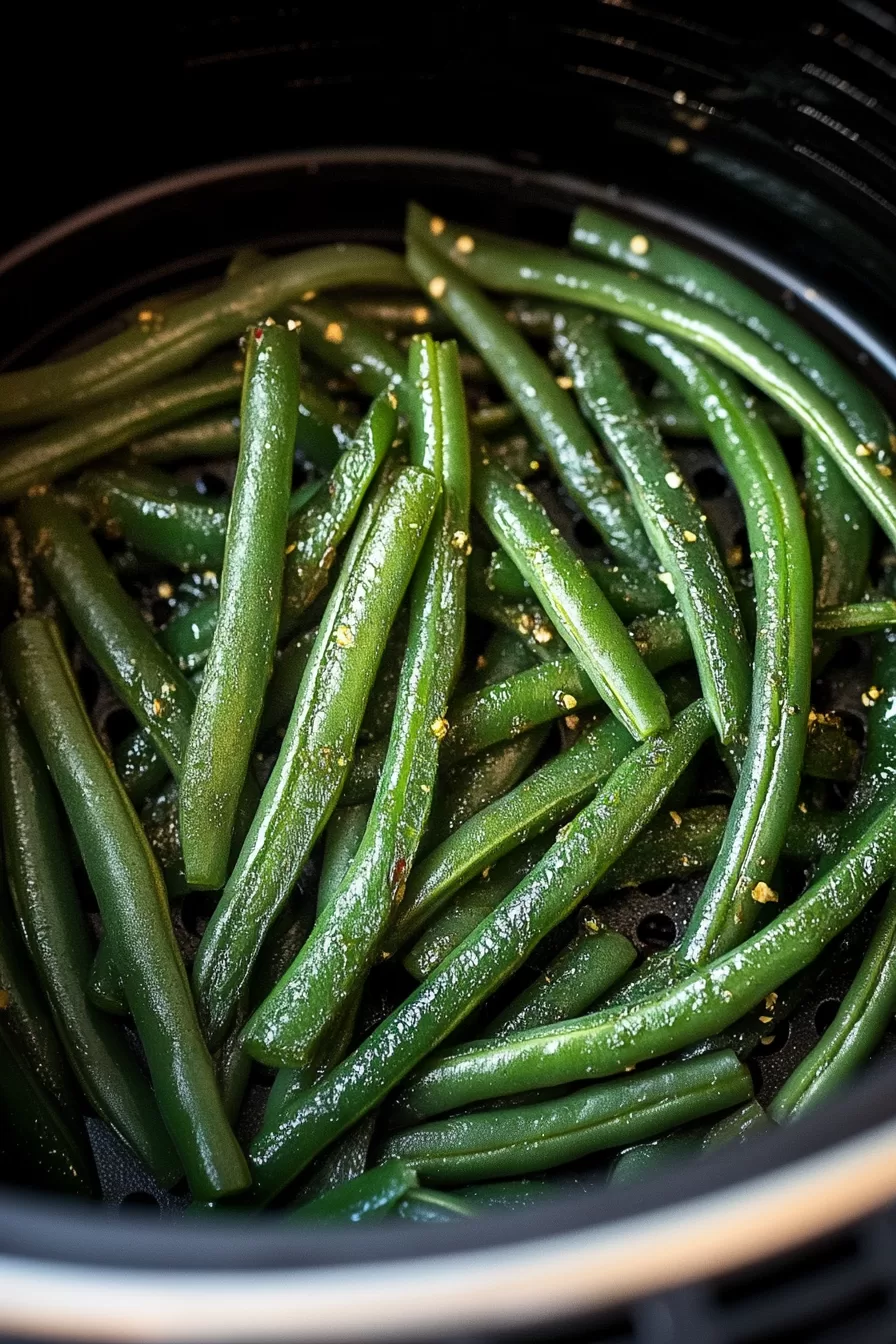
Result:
[{"x": 443, "y": 666}]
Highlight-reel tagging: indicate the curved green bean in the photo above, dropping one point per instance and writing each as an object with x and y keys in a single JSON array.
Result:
[
  {"x": 165, "y": 521},
  {"x": 371, "y": 1195}
]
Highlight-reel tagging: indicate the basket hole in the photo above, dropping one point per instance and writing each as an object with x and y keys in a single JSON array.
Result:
[
  {"x": 585, "y": 534},
  {"x": 849, "y": 654},
  {"x": 825, "y": 1014},
  {"x": 775, "y": 1040},
  {"x": 656, "y": 931},
  {"x": 89, "y": 685},
  {"x": 211, "y": 484},
  {"x": 710, "y": 482}
]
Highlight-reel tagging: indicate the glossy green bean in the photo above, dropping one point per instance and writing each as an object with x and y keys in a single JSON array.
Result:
[
  {"x": 630, "y": 591},
  {"x": 548, "y": 410},
  {"x": 168, "y": 522},
  {"x": 555, "y": 792},
  {"x": 728, "y": 908},
  {"x": 314, "y": 759},
  {"x": 601, "y": 235},
  {"x": 839, "y": 529},
  {"x": 672, "y": 518},
  {"x": 58, "y": 448},
  {"x": 351, "y": 345},
  {"x": 434, "y": 1206},
  {"x": 214, "y": 435},
  {"x": 643, "y": 1160},
  {"x": 576, "y": 978},
  {"x": 49, "y": 910},
  {"x": 133, "y": 905},
  {"x": 710, "y": 999},
  {"x": 533, "y": 1137},
  {"x": 675, "y": 419},
  {"x": 362, "y": 1200},
  {"x": 110, "y": 625},
  {"x": 506, "y": 265},
  {"x": 577, "y": 606},
  {"x": 526, "y": 619},
  {"x": 586, "y": 847},
  {"x": 230, "y": 699},
  {"x": 344, "y": 834},
  {"x": 508, "y": 1194},
  {"x": 290, "y": 1024},
  {"x": 104, "y": 985},
  {"x": 737, "y": 1127},
  {"x": 489, "y": 776},
  {"x": 187, "y": 638},
  {"x": 858, "y": 618},
  {"x": 188, "y": 331},
  {"x": 857, "y": 1029}
]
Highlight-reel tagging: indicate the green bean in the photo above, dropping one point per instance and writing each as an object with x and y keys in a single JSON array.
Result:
[
  {"x": 600, "y": 235},
  {"x": 643, "y": 1160},
  {"x": 830, "y": 753},
  {"x": 343, "y": 1160},
  {"x": 471, "y": 906},
  {"x": 314, "y": 759},
  {"x": 555, "y": 792},
  {"x": 133, "y": 905},
  {"x": 433, "y": 1206},
  {"x": 710, "y": 999},
  {"x": 577, "y": 606},
  {"x": 229, "y": 704},
  {"x": 325, "y": 427},
  {"x": 855, "y": 1033},
  {"x": 49, "y": 911},
  {"x": 858, "y": 618},
  {"x": 350, "y": 345},
  {"x": 110, "y": 625},
  {"x": 587, "y": 846},
  {"x": 630, "y": 592},
  {"x": 729, "y": 906},
  {"x": 488, "y": 776},
  {"x": 187, "y": 638},
  {"x": 675, "y": 419},
  {"x": 38, "y": 1146},
  {"x": 188, "y": 331},
  {"x": 397, "y": 314},
  {"x": 343, "y": 836},
  {"x": 672, "y": 519},
  {"x": 104, "y": 986},
  {"x": 741, "y": 1124},
  {"x": 839, "y": 529},
  {"x": 548, "y": 410},
  {"x": 526, "y": 619},
  {"x": 292, "y": 1021},
  {"x": 289, "y": 668},
  {"x": 167, "y": 522},
  {"x": 362, "y": 1200},
  {"x": 58, "y": 448},
  {"x": 22, "y": 1005},
  {"x": 521, "y": 1139},
  {"x": 520, "y": 268},
  {"x": 213, "y": 435},
  {"x": 576, "y": 978}
]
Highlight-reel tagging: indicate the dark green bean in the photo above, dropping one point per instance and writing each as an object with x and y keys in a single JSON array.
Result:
[
  {"x": 509, "y": 266},
  {"x": 526, "y": 619},
  {"x": 58, "y": 448},
  {"x": 488, "y": 776},
  {"x": 187, "y": 638},
  {"x": 521, "y": 1139},
  {"x": 587, "y": 846},
  {"x": 631, "y": 592},
  {"x": 230, "y": 699},
  {"x": 741, "y": 1124},
  {"x": 290, "y": 1024},
  {"x": 350, "y": 345},
  {"x": 575, "y": 979},
  {"x": 708, "y": 1001},
  {"x": 577, "y": 606},
  {"x": 187, "y": 331},
  {"x": 671, "y": 517},
  {"x": 433, "y": 1206},
  {"x": 133, "y": 905},
  {"x": 50, "y": 913},
  {"x": 320, "y": 739},
  {"x": 643, "y": 1160},
  {"x": 858, "y": 618},
  {"x": 343, "y": 836},
  {"x": 548, "y": 410},
  {"x": 729, "y": 906},
  {"x": 858, "y": 1028},
  {"x": 839, "y": 529},
  {"x": 110, "y": 625},
  {"x": 675, "y": 419},
  {"x": 214, "y": 435},
  {"x": 367, "y": 1197},
  {"x": 168, "y": 522}
]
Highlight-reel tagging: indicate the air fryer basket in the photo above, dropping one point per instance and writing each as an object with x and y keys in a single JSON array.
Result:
[{"x": 773, "y": 156}]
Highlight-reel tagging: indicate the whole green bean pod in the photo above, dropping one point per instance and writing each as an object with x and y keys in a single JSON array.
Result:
[
  {"x": 548, "y": 410},
  {"x": 351, "y": 345},
  {"x": 167, "y": 521},
  {"x": 110, "y": 625},
  {"x": 60, "y": 447},
  {"x": 369, "y": 1196},
  {"x": 710, "y": 999},
  {"x": 576, "y": 978},
  {"x": 505, "y": 265},
  {"x": 229, "y": 704},
  {"x": 631, "y": 592},
  {"x": 576, "y": 604},
  {"x": 39, "y": 1147},
  {"x": 133, "y": 905},
  {"x": 671, "y": 517},
  {"x": 314, "y": 759},
  {"x": 586, "y": 847},
  {"x": 600, "y": 235},
  {"x": 292, "y": 1021},
  {"x": 770, "y": 772},
  {"x": 521, "y": 1139},
  {"x": 49, "y": 910},
  {"x": 189, "y": 330},
  {"x": 855, "y": 1033},
  {"x": 555, "y": 792}
]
